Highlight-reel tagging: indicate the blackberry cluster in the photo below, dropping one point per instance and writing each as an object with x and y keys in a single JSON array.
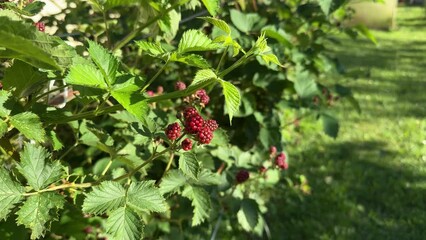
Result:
[
  {"x": 280, "y": 161},
  {"x": 202, "y": 96},
  {"x": 196, "y": 125},
  {"x": 40, "y": 26}
]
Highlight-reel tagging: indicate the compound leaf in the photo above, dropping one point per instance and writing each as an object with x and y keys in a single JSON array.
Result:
[
  {"x": 108, "y": 196},
  {"x": 34, "y": 168},
  {"x": 29, "y": 124},
  {"x": 212, "y": 6},
  {"x": 85, "y": 75},
  {"x": 105, "y": 61}
]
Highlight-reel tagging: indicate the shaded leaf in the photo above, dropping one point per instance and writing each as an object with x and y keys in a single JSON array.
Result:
[
  {"x": 172, "y": 181},
  {"x": 39, "y": 211},
  {"x": 10, "y": 193},
  {"x": 248, "y": 215},
  {"x": 330, "y": 125},
  {"x": 201, "y": 203},
  {"x": 29, "y": 124}
]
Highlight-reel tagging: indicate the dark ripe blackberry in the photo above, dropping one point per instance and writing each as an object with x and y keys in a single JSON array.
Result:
[{"x": 242, "y": 176}]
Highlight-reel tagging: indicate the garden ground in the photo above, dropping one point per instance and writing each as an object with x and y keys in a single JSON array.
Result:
[{"x": 369, "y": 183}]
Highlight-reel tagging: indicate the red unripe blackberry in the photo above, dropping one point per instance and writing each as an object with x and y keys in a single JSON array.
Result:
[
  {"x": 189, "y": 111},
  {"x": 272, "y": 150},
  {"x": 205, "y": 135},
  {"x": 160, "y": 89},
  {"x": 202, "y": 95},
  {"x": 180, "y": 85},
  {"x": 173, "y": 131},
  {"x": 193, "y": 124},
  {"x": 211, "y": 124},
  {"x": 186, "y": 144},
  {"x": 150, "y": 93},
  {"x": 280, "y": 161},
  {"x": 242, "y": 176},
  {"x": 40, "y": 26}
]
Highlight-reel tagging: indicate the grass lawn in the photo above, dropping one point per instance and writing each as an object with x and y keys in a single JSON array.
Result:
[{"x": 369, "y": 183}]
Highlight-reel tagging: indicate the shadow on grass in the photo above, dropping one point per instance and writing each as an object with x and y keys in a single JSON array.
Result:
[{"x": 356, "y": 195}]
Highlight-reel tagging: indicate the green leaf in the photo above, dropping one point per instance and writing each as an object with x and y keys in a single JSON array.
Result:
[
  {"x": 123, "y": 223},
  {"x": 244, "y": 21},
  {"x": 194, "y": 60},
  {"x": 3, "y": 128},
  {"x": 34, "y": 8},
  {"x": 206, "y": 177},
  {"x": 85, "y": 75},
  {"x": 325, "y": 5},
  {"x": 145, "y": 197},
  {"x": 39, "y": 211},
  {"x": 189, "y": 164},
  {"x": 248, "y": 215},
  {"x": 10, "y": 193},
  {"x": 366, "y": 33},
  {"x": 106, "y": 197},
  {"x": 195, "y": 40},
  {"x": 34, "y": 168},
  {"x": 201, "y": 203},
  {"x": 152, "y": 49},
  {"x": 127, "y": 92},
  {"x": 105, "y": 61},
  {"x": 212, "y": 6},
  {"x": 23, "y": 78},
  {"x": 203, "y": 76},
  {"x": 4, "y": 97},
  {"x": 305, "y": 85},
  {"x": 330, "y": 125},
  {"x": 23, "y": 41},
  {"x": 232, "y": 98},
  {"x": 171, "y": 183},
  {"x": 218, "y": 23},
  {"x": 30, "y": 125}
]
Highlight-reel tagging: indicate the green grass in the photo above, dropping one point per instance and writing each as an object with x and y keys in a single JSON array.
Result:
[{"x": 369, "y": 183}]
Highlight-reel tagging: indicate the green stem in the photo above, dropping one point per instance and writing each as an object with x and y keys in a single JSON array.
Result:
[
  {"x": 169, "y": 164},
  {"x": 63, "y": 186},
  {"x": 136, "y": 31},
  {"x": 221, "y": 59},
  {"x": 85, "y": 115},
  {"x": 106, "y": 28},
  {"x": 155, "y": 76},
  {"x": 152, "y": 158},
  {"x": 45, "y": 94}
]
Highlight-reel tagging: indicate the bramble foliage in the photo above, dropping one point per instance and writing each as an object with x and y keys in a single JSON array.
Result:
[{"x": 100, "y": 129}]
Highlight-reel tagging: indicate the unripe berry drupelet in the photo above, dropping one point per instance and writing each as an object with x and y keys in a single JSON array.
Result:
[
  {"x": 202, "y": 95},
  {"x": 280, "y": 161},
  {"x": 180, "y": 85},
  {"x": 173, "y": 131},
  {"x": 193, "y": 124},
  {"x": 211, "y": 124}
]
